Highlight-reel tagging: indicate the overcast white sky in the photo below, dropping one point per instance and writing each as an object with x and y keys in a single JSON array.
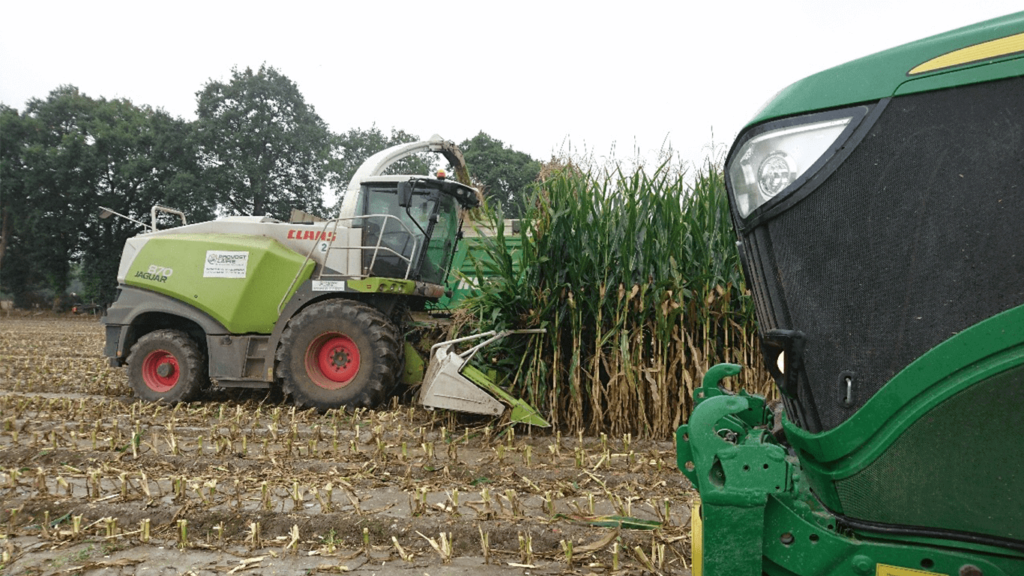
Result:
[{"x": 537, "y": 75}]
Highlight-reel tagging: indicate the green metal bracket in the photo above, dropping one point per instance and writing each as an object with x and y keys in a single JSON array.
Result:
[
  {"x": 717, "y": 373},
  {"x": 412, "y": 372},
  {"x": 735, "y": 469},
  {"x": 381, "y": 285},
  {"x": 735, "y": 466},
  {"x": 709, "y": 389},
  {"x": 756, "y": 413}
]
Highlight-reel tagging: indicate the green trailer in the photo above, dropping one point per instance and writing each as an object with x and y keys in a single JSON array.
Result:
[
  {"x": 879, "y": 207},
  {"x": 471, "y": 258}
]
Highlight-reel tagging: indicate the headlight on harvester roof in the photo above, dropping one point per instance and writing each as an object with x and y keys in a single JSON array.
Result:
[{"x": 779, "y": 156}]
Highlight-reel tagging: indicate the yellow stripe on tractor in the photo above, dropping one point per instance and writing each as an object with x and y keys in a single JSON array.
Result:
[{"x": 985, "y": 51}]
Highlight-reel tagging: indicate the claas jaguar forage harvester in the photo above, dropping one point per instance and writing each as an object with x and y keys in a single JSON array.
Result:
[
  {"x": 315, "y": 307},
  {"x": 879, "y": 208}
]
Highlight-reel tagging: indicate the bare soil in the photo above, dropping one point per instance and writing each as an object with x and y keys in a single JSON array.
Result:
[{"x": 94, "y": 482}]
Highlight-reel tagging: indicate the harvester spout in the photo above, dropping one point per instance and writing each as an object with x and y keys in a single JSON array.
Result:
[{"x": 376, "y": 165}]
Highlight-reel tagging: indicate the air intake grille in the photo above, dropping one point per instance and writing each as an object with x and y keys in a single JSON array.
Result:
[
  {"x": 957, "y": 468},
  {"x": 918, "y": 235}
]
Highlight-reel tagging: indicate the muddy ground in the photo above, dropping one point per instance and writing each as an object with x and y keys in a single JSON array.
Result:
[{"x": 93, "y": 482}]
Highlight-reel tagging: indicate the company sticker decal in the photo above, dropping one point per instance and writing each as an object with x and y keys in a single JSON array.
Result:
[
  {"x": 310, "y": 235},
  {"x": 328, "y": 285},
  {"x": 225, "y": 264},
  {"x": 887, "y": 570}
]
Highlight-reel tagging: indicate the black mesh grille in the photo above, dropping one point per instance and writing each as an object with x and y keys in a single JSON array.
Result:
[
  {"x": 916, "y": 236},
  {"x": 957, "y": 468}
]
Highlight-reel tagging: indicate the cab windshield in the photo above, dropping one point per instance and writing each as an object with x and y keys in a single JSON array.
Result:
[{"x": 442, "y": 241}]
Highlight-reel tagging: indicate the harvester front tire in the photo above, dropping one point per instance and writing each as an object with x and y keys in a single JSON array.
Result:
[
  {"x": 338, "y": 353},
  {"x": 167, "y": 366}
]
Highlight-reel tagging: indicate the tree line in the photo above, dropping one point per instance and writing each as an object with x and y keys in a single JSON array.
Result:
[{"x": 256, "y": 147}]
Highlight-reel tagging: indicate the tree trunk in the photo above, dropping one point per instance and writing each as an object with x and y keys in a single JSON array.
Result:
[{"x": 5, "y": 233}]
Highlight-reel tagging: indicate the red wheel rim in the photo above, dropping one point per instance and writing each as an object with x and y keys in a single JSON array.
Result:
[
  {"x": 332, "y": 360},
  {"x": 160, "y": 371}
]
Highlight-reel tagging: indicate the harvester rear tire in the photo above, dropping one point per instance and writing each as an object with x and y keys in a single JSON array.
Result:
[
  {"x": 338, "y": 353},
  {"x": 167, "y": 366}
]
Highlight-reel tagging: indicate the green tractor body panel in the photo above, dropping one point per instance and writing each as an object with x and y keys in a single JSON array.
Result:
[
  {"x": 878, "y": 207},
  {"x": 890, "y": 462},
  {"x": 382, "y": 286},
  {"x": 760, "y": 511},
  {"x": 977, "y": 53},
  {"x": 239, "y": 280}
]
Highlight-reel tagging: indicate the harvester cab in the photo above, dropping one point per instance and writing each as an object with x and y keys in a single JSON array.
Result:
[
  {"x": 413, "y": 222},
  {"x": 878, "y": 208},
  {"x": 314, "y": 306}
]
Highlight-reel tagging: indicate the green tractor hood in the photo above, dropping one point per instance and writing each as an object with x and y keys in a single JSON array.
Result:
[{"x": 976, "y": 53}]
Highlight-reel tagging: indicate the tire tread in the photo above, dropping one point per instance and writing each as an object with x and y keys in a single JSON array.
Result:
[
  {"x": 195, "y": 379},
  {"x": 383, "y": 360}
]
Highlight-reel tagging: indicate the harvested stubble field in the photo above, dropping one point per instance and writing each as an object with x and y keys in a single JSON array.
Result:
[{"x": 93, "y": 482}]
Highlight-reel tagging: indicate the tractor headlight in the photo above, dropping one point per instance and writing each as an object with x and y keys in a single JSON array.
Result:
[{"x": 769, "y": 163}]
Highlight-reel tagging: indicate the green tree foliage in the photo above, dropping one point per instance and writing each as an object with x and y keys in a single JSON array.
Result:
[
  {"x": 65, "y": 156},
  {"x": 12, "y": 167},
  {"x": 504, "y": 174},
  {"x": 262, "y": 147},
  {"x": 46, "y": 209},
  {"x": 143, "y": 157},
  {"x": 356, "y": 145}
]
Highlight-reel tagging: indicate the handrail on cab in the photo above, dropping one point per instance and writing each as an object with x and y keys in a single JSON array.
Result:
[{"x": 377, "y": 249}]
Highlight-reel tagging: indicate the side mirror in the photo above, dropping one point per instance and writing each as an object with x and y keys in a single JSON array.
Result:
[{"x": 405, "y": 194}]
